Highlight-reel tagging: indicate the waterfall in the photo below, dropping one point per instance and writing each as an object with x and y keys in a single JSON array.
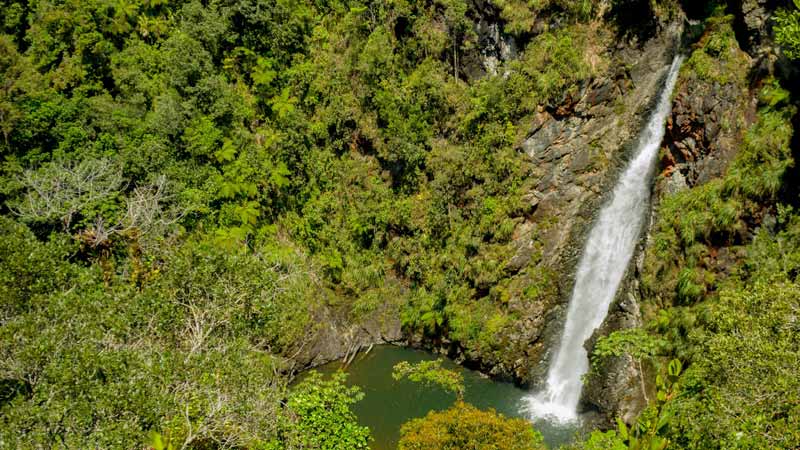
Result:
[{"x": 603, "y": 263}]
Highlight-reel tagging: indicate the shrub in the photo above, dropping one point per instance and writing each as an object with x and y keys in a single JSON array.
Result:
[{"x": 464, "y": 427}]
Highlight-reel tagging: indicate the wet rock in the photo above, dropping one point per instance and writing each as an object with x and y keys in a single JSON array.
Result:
[
  {"x": 695, "y": 142},
  {"x": 711, "y": 131},
  {"x": 577, "y": 147},
  {"x": 709, "y": 103},
  {"x": 755, "y": 16},
  {"x": 581, "y": 160},
  {"x": 531, "y": 201},
  {"x": 576, "y": 159},
  {"x": 602, "y": 93},
  {"x": 690, "y": 144},
  {"x": 521, "y": 258}
]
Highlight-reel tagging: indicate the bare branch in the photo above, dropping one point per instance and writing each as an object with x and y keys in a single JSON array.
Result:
[{"x": 61, "y": 189}]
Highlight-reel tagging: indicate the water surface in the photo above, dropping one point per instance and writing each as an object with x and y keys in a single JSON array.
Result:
[{"x": 388, "y": 404}]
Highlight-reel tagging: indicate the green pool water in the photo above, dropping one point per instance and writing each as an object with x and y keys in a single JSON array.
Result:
[{"x": 388, "y": 404}]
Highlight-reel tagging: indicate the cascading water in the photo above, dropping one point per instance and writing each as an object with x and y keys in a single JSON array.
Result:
[{"x": 605, "y": 258}]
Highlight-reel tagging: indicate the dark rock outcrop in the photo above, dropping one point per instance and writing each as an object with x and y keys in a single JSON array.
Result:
[
  {"x": 493, "y": 46},
  {"x": 703, "y": 131}
]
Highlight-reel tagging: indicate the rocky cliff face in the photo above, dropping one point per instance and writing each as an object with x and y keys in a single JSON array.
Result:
[
  {"x": 577, "y": 146},
  {"x": 714, "y": 104},
  {"x": 578, "y": 149}
]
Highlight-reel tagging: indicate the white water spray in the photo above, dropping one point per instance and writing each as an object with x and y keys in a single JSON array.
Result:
[{"x": 605, "y": 258}]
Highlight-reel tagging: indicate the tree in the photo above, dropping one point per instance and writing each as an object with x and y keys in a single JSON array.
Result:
[
  {"x": 462, "y": 426},
  {"x": 321, "y": 415},
  {"x": 465, "y": 427},
  {"x": 62, "y": 189},
  {"x": 431, "y": 373}
]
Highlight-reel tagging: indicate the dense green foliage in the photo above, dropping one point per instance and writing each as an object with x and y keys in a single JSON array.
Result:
[
  {"x": 431, "y": 373},
  {"x": 365, "y": 151},
  {"x": 91, "y": 360},
  {"x": 322, "y": 416},
  {"x": 464, "y": 427},
  {"x": 717, "y": 57},
  {"x": 787, "y": 30},
  {"x": 187, "y": 186}
]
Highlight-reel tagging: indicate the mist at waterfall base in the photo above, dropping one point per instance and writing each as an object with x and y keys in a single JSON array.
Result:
[{"x": 605, "y": 258}]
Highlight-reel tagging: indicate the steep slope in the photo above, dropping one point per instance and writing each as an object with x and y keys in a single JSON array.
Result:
[{"x": 723, "y": 225}]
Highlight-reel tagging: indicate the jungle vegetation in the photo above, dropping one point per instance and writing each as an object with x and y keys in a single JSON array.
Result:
[{"x": 186, "y": 185}]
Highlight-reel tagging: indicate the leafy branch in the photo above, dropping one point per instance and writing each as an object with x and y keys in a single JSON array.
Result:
[{"x": 431, "y": 373}]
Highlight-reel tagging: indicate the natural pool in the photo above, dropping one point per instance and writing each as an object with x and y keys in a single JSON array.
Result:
[{"x": 388, "y": 404}]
